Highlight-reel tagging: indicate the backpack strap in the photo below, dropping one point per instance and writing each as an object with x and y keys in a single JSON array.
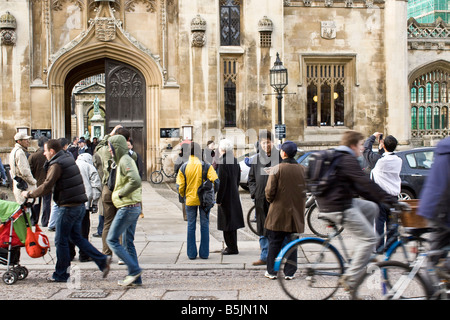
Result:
[{"x": 205, "y": 168}]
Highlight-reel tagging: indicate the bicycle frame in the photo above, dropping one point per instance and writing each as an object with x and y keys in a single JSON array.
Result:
[
  {"x": 327, "y": 245},
  {"x": 437, "y": 287}
]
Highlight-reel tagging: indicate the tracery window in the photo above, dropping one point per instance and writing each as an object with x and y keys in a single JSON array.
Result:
[
  {"x": 325, "y": 94},
  {"x": 429, "y": 102},
  {"x": 230, "y": 22},
  {"x": 229, "y": 90}
]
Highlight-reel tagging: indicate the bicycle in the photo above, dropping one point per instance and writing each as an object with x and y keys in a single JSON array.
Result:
[
  {"x": 319, "y": 264},
  {"x": 316, "y": 225},
  {"x": 157, "y": 176},
  {"x": 395, "y": 280}
]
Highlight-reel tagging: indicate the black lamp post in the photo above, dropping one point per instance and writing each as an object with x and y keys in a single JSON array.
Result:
[{"x": 278, "y": 81}]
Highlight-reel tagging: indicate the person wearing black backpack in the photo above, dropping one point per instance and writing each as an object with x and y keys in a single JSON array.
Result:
[
  {"x": 341, "y": 201},
  {"x": 193, "y": 176}
]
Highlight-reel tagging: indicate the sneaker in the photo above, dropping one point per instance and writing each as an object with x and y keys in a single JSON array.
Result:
[
  {"x": 107, "y": 267},
  {"x": 129, "y": 280},
  {"x": 120, "y": 262},
  {"x": 270, "y": 276},
  {"x": 289, "y": 277}
]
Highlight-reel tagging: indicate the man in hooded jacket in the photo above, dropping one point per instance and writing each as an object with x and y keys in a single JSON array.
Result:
[{"x": 127, "y": 198}]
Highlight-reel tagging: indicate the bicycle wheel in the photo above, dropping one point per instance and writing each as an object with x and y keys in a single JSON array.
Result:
[
  {"x": 156, "y": 177},
  {"x": 316, "y": 266},
  {"x": 251, "y": 220},
  {"x": 318, "y": 226},
  {"x": 390, "y": 280}
]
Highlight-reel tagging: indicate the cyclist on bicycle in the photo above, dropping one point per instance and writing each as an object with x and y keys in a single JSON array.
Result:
[
  {"x": 357, "y": 215},
  {"x": 435, "y": 202}
]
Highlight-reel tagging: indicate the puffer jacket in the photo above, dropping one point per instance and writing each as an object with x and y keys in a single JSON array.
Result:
[
  {"x": 128, "y": 187},
  {"x": 91, "y": 179}
]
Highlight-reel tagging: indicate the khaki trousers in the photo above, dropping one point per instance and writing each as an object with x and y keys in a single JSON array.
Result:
[{"x": 109, "y": 212}]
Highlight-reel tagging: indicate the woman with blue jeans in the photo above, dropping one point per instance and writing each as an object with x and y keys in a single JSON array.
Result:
[
  {"x": 189, "y": 179},
  {"x": 127, "y": 198},
  {"x": 191, "y": 212}
]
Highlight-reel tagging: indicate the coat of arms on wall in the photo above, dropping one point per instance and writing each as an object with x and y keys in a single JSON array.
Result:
[
  {"x": 328, "y": 29},
  {"x": 105, "y": 29}
]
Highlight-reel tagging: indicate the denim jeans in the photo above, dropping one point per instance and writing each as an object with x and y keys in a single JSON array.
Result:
[
  {"x": 264, "y": 245},
  {"x": 68, "y": 228},
  {"x": 54, "y": 213},
  {"x": 191, "y": 212},
  {"x": 124, "y": 224}
]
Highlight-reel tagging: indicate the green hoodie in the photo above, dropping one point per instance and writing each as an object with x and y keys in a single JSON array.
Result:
[{"x": 128, "y": 188}]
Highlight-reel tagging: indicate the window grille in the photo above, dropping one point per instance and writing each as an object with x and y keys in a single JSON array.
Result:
[{"x": 230, "y": 21}]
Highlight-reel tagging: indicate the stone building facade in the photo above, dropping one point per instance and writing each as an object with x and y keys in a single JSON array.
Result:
[{"x": 201, "y": 68}]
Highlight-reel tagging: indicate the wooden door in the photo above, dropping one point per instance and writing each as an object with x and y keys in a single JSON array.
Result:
[{"x": 125, "y": 103}]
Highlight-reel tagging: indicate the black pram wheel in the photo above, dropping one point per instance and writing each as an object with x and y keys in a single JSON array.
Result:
[
  {"x": 10, "y": 277},
  {"x": 21, "y": 271}
]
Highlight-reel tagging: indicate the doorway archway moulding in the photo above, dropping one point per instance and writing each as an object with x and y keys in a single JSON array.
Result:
[{"x": 87, "y": 47}]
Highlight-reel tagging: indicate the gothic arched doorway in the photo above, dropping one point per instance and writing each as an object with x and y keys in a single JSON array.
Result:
[{"x": 125, "y": 98}]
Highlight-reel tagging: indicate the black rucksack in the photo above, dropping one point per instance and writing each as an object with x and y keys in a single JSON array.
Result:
[
  {"x": 321, "y": 171},
  {"x": 206, "y": 190}
]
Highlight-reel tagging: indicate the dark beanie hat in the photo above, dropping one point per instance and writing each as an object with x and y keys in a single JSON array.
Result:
[{"x": 290, "y": 148}]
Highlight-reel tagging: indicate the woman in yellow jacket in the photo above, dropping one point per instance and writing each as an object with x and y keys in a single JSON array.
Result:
[{"x": 189, "y": 179}]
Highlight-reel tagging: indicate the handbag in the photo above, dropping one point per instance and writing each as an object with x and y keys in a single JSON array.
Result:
[
  {"x": 21, "y": 184},
  {"x": 36, "y": 243}
]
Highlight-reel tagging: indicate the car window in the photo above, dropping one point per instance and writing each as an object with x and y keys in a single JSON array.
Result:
[
  {"x": 420, "y": 160},
  {"x": 305, "y": 161}
]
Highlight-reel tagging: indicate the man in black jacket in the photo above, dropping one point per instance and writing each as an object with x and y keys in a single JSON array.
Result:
[
  {"x": 64, "y": 178},
  {"x": 358, "y": 214},
  {"x": 258, "y": 175}
]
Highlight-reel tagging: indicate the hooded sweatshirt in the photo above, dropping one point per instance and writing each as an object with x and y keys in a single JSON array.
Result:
[
  {"x": 91, "y": 179},
  {"x": 128, "y": 187}
]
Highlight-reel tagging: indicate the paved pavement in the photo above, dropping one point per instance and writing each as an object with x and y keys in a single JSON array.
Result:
[{"x": 168, "y": 273}]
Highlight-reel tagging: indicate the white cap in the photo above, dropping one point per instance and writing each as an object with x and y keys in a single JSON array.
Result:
[{"x": 21, "y": 136}]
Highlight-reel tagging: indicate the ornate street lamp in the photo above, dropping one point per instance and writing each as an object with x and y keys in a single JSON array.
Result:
[{"x": 278, "y": 81}]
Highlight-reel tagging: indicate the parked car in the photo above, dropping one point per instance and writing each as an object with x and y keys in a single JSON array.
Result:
[
  {"x": 245, "y": 169},
  {"x": 304, "y": 158},
  {"x": 415, "y": 168},
  {"x": 416, "y": 164}
]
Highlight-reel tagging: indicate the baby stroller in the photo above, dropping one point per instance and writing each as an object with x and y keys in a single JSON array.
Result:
[{"x": 13, "y": 231}]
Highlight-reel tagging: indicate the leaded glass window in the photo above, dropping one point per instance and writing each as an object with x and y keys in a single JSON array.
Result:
[
  {"x": 229, "y": 90},
  {"x": 230, "y": 23}
]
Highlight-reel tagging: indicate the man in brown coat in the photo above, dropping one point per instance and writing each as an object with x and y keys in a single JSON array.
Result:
[
  {"x": 37, "y": 161},
  {"x": 285, "y": 191}
]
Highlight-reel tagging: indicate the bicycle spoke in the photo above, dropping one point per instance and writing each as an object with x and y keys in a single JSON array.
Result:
[
  {"x": 314, "y": 266},
  {"x": 390, "y": 280}
]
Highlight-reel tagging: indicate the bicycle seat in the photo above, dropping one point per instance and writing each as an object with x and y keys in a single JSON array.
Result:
[
  {"x": 417, "y": 232},
  {"x": 331, "y": 217}
]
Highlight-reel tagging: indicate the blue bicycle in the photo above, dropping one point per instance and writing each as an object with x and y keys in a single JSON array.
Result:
[{"x": 312, "y": 266}]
